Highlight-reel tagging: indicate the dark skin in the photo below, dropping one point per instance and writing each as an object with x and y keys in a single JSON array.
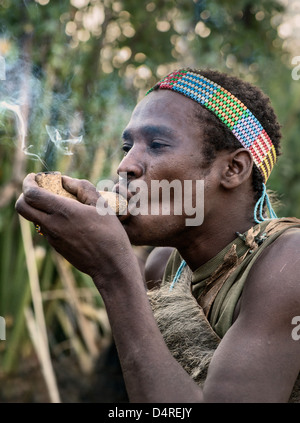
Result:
[
  {"x": 257, "y": 360},
  {"x": 155, "y": 266}
]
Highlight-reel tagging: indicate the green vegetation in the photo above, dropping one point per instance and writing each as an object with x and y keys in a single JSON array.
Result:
[{"x": 76, "y": 68}]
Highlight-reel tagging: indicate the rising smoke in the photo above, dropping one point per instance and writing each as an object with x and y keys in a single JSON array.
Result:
[{"x": 44, "y": 121}]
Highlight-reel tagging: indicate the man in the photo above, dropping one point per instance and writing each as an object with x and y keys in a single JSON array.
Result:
[{"x": 219, "y": 329}]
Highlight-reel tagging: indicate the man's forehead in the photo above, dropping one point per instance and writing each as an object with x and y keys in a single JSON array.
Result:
[
  {"x": 164, "y": 105},
  {"x": 148, "y": 131}
]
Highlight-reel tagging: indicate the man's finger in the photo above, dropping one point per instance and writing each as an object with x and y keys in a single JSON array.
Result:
[
  {"x": 28, "y": 212},
  {"x": 42, "y": 199},
  {"x": 84, "y": 190}
]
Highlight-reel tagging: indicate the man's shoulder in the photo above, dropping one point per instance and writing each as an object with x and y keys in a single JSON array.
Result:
[
  {"x": 275, "y": 278},
  {"x": 284, "y": 249},
  {"x": 155, "y": 265}
]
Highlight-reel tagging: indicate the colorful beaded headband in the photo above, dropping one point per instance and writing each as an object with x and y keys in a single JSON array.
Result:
[{"x": 230, "y": 110}]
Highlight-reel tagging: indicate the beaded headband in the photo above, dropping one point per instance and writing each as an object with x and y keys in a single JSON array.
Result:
[{"x": 230, "y": 110}]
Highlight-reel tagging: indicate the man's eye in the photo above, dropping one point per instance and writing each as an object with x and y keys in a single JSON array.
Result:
[
  {"x": 126, "y": 149},
  {"x": 155, "y": 145}
]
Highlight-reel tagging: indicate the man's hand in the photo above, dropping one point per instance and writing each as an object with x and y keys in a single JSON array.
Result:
[{"x": 94, "y": 244}]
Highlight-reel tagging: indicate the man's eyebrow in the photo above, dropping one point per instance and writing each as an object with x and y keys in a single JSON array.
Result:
[
  {"x": 126, "y": 135},
  {"x": 149, "y": 131}
]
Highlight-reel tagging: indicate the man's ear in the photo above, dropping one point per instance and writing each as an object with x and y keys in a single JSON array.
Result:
[{"x": 238, "y": 168}]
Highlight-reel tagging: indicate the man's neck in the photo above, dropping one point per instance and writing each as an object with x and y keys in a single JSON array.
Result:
[{"x": 207, "y": 243}]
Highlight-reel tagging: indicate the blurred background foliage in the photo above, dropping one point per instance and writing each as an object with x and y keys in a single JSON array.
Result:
[{"x": 73, "y": 70}]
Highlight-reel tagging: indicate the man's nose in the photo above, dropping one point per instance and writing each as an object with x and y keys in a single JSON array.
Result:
[{"x": 132, "y": 165}]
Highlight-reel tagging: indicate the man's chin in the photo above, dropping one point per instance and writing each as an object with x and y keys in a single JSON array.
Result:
[
  {"x": 140, "y": 235},
  {"x": 137, "y": 230}
]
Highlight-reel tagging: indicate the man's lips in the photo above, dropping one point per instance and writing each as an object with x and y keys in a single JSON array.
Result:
[
  {"x": 128, "y": 190},
  {"x": 122, "y": 190}
]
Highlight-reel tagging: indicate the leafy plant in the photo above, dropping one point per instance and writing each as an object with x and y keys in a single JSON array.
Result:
[{"x": 79, "y": 67}]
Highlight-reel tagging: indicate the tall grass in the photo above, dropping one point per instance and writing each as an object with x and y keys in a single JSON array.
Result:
[{"x": 49, "y": 307}]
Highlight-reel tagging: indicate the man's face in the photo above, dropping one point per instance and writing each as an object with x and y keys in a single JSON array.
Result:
[{"x": 162, "y": 141}]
